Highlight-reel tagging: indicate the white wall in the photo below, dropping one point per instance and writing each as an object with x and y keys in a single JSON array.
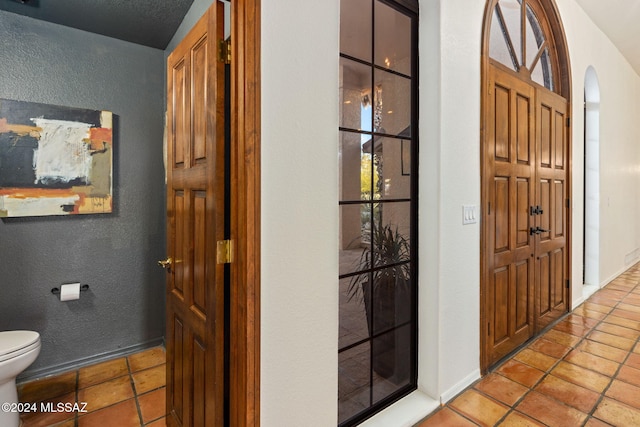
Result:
[
  {"x": 619, "y": 148},
  {"x": 299, "y": 335},
  {"x": 459, "y": 146},
  {"x": 299, "y": 324}
]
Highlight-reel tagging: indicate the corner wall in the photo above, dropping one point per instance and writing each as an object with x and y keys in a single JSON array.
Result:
[{"x": 115, "y": 254}]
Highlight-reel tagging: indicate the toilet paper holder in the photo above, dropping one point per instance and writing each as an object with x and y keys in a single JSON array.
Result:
[{"x": 56, "y": 291}]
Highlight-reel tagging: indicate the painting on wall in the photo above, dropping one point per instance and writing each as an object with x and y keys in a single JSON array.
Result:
[{"x": 54, "y": 160}]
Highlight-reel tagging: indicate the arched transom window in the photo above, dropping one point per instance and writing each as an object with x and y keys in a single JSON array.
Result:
[{"x": 519, "y": 42}]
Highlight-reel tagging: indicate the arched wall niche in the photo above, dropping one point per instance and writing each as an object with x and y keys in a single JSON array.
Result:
[{"x": 591, "y": 255}]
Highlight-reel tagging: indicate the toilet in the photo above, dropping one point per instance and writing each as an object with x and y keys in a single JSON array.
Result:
[{"x": 18, "y": 350}]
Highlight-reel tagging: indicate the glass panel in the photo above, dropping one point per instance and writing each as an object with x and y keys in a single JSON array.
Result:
[
  {"x": 390, "y": 233},
  {"x": 391, "y": 362},
  {"x": 355, "y": 237},
  {"x": 392, "y": 39},
  {"x": 392, "y": 104},
  {"x": 354, "y": 373},
  {"x": 354, "y": 302},
  {"x": 355, "y": 95},
  {"x": 542, "y": 73},
  {"x": 393, "y": 167},
  {"x": 498, "y": 48},
  {"x": 511, "y": 12},
  {"x": 547, "y": 70},
  {"x": 390, "y": 298},
  {"x": 375, "y": 174},
  {"x": 357, "y": 179},
  {"x": 536, "y": 74},
  {"x": 535, "y": 36},
  {"x": 355, "y": 28}
]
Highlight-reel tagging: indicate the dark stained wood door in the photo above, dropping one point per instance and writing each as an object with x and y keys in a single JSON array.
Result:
[
  {"x": 525, "y": 204},
  {"x": 552, "y": 198},
  {"x": 509, "y": 181},
  {"x": 195, "y": 209}
]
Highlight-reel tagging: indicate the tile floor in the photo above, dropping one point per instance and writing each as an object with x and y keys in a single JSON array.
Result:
[
  {"x": 124, "y": 392},
  {"x": 585, "y": 371}
]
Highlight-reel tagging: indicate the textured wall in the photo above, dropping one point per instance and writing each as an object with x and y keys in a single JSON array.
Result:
[
  {"x": 115, "y": 254},
  {"x": 299, "y": 208}
]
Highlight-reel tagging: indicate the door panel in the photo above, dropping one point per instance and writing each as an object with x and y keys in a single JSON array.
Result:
[
  {"x": 551, "y": 253},
  {"x": 511, "y": 192},
  {"x": 195, "y": 209}
]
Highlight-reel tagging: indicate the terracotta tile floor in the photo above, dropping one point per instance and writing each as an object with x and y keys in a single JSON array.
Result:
[
  {"x": 585, "y": 371},
  {"x": 124, "y": 392}
]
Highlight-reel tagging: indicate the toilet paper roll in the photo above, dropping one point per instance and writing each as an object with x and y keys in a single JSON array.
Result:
[{"x": 70, "y": 291}]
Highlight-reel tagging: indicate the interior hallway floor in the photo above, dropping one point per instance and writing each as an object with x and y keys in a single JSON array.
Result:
[
  {"x": 585, "y": 371},
  {"x": 123, "y": 392}
]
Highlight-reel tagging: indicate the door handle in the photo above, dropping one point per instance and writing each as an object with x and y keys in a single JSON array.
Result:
[
  {"x": 166, "y": 263},
  {"x": 537, "y": 230},
  {"x": 535, "y": 210}
]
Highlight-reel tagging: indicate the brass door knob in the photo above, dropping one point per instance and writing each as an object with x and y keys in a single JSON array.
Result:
[{"x": 165, "y": 263}]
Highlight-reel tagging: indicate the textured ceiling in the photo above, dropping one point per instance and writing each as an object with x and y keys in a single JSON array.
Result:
[{"x": 146, "y": 22}]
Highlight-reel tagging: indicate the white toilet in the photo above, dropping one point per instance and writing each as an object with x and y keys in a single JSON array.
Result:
[{"x": 18, "y": 350}]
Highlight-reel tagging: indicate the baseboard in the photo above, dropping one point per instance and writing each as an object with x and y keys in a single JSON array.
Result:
[
  {"x": 406, "y": 412},
  {"x": 616, "y": 274},
  {"x": 587, "y": 291},
  {"x": 79, "y": 363},
  {"x": 460, "y": 386}
]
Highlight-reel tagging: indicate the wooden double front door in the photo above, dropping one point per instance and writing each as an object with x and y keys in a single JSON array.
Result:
[{"x": 525, "y": 205}]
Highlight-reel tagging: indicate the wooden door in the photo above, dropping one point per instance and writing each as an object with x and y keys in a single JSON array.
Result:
[
  {"x": 195, "y": 209},
  {"x": 509, "y": 181},
  {"x": 552, "y": 200},
  {"x": 525, "y": 229}
]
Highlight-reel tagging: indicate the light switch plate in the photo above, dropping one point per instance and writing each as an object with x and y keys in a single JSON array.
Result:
[{"x": 469, "y": 214}]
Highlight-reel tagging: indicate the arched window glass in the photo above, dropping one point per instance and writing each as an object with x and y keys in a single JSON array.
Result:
[
  {"x": 522, "y": 48},
  {"x": 499, "y": 48}
]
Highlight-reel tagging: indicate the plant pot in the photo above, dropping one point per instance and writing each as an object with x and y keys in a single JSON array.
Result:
[{"x": 388, "y": 308}]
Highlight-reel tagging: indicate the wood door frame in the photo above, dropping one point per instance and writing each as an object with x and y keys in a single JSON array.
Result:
[
  {"x": 244, "y": 363},
  {"x": 562, "y": 74}
]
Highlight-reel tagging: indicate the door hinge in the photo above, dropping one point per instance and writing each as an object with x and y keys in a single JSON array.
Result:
[
  {"x": 568, "y": 121},
  {"x": 224, "y": 51},
  {"x": 568, "y": 203},
  {"x": 225, "y": 252},
  {"x": 568, "y": 283}
]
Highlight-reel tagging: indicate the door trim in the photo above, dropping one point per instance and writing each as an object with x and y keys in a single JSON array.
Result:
[
  {"x": 564, "y": 88},
  {"x": 244, "y": 388}
]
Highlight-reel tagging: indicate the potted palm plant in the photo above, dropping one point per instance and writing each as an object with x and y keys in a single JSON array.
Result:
[{"x": 385, "y": 291}]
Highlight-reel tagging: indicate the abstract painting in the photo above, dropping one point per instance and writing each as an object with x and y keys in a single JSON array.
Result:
[{"x": 54, "y": 160}]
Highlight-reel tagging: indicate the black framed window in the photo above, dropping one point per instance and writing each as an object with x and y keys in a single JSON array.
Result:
[{"x": 378, "y": 206}]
